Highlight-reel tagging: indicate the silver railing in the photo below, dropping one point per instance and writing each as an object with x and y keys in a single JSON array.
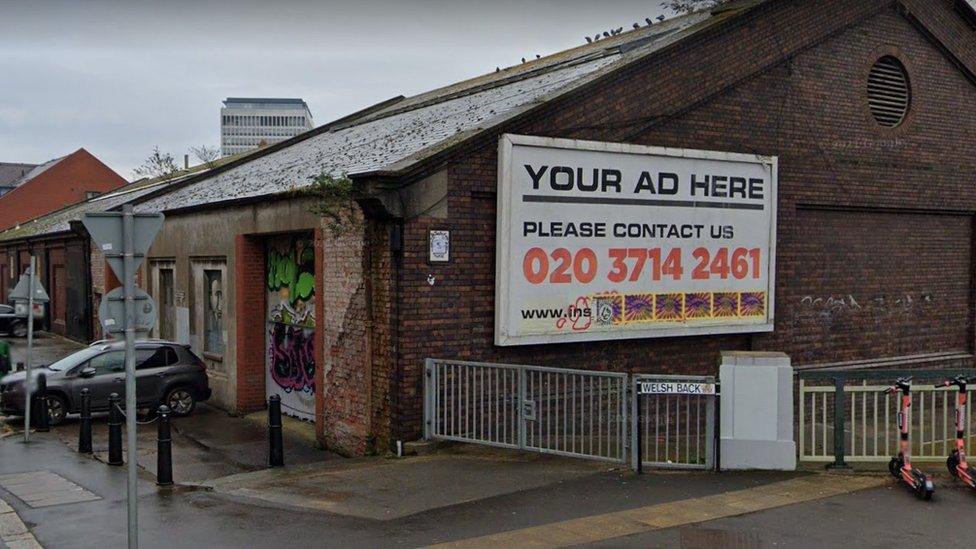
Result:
[
  {"x": 676, "y": 431},
  {"x": 870, "y": 432},
  {"x": 576, "y": 413}
]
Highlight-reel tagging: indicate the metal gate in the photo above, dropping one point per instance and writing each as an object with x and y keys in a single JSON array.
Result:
[
  {"x": 550, "y": 410},
  {"x": 673, "y": 421}
]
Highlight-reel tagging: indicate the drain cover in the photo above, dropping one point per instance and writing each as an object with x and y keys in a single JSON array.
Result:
[{"x": 44, "y": 489}]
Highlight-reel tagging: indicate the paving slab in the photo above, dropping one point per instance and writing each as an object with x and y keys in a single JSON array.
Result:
[{"x": 401, "y": 487}]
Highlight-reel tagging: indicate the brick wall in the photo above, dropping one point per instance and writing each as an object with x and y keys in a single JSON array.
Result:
[
  {"x": 249, "y": 292},
  {"x": 355, "y": 293},
  {"x": 894, "y": 196},
  {"x": 64, "y": 183}
]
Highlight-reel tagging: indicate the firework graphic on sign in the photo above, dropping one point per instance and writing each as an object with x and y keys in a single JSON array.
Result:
[
  {"x": 725, "y": 304},
  {"x": 639, "y": 307},
  {"x": 698, "y": 305},
  {"x": 669, "y": 306},
  {"x": 752, "y": 304}
]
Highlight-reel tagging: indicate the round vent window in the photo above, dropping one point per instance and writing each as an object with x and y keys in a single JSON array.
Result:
[{"x": 889, "y": 95}]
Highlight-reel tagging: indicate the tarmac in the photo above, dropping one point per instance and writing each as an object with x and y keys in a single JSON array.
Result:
[{"x": 461, "y": 496}]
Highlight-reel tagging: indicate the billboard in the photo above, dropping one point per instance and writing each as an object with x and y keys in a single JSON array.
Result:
[{"x": 603, "y": 241}]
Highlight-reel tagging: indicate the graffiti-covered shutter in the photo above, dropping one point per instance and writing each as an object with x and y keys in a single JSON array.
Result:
[{"x": 290, "y": 360}]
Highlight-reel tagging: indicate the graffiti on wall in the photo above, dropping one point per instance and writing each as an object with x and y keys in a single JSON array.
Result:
[
  {"x": 291, "y": 357},
  {"x": 291, "y": 324},
  {"x": 291, "y": 281}
]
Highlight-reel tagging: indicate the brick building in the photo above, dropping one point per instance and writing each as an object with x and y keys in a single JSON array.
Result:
[
  {"x": 869, "y": 106},
  {"x": 54, "y": 185}
]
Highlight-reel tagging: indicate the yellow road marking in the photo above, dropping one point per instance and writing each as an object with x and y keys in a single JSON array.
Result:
[{"x": 677, "y": 513}]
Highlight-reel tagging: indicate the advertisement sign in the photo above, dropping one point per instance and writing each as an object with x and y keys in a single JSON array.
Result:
[{"x": 603, "y": 241}]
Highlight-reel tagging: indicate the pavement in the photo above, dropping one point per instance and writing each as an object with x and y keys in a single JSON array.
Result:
[{"x": 462, "y": 496}]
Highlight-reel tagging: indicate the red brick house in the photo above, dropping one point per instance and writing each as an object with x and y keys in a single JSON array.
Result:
[
  {"x": 54, "y": 185},
  {"x": 874, "y": 226}
]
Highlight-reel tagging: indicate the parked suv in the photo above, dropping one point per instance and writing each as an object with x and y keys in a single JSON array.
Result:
[
  {"x": 11, "y": 322},
  {"x": 166, "y": 373}
]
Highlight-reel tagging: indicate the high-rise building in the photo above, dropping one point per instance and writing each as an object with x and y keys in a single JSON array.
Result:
[{"x": 249, "y": 122}]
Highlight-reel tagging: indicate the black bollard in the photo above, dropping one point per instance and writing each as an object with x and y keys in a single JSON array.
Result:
[
  {"x": 114, "y": 430},
  {"x": 276, "y": 451},
  {"x": 84, "y": 426},
  {"x": 41, "y": 418},
  {"x": 164, "y": 449}
]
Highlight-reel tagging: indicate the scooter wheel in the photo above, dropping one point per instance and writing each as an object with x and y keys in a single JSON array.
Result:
[
  {"x": 924, "y": 491},
  {"x": 894, "y": 467},
  {"x": 952, "y": 463}
]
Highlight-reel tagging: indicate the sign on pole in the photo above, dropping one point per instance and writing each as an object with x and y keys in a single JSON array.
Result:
[
  {"x": 105, "y": 229},
  {"x": 675, "y": 388},
  {"x": 608, "y": 241},
  {"x": 124, "y": 238}
]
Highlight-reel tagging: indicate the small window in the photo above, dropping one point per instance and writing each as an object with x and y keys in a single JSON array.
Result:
[
  {"x": 108, "y": 363},
  {"x": 155, "y": 358},
  {"x": 889, "y": 93}
]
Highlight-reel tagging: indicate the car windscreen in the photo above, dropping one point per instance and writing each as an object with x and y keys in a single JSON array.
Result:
[{"x": 74, "y": 359}]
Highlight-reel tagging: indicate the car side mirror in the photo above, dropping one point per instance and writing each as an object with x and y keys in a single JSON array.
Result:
[{"x": 87, "y": 372}]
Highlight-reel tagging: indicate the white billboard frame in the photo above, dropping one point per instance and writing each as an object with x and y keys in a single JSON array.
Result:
[{"x": 503, "y": 239}]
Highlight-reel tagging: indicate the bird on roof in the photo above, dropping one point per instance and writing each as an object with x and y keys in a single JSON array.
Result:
[
  {"x": 588, "y": 40},
  {"x": 523, "y": 60},
  {"x": 537, "y": 56},
  {"x": 636, "y": 25},
  {"x": 606, "y": 34},
  {"x": 660, "y": 18},
  {"x": 597, "y": 37},
  {"x": 648, "y": 19}
]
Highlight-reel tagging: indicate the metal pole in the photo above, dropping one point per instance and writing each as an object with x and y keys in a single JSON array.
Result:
[
  {"x": 164, "y": 449},
  {"x": 639, "y": 424},
  {"x": 114, "y": 430},
  {"x": 85, "y": 427},
  {"x": 28, "y": 385},
  {"x": 840, "y": 411},
  {"x": 129, "y": 293},
  {"x": 276, "y": 451}
]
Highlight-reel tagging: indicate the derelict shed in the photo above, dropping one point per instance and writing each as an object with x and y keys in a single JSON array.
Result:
[{"x": 866, "y": 109}]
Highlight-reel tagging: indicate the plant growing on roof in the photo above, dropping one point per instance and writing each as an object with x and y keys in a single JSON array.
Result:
[
  {"x": 333, "y": 196},
  {"x": 688, "y": 6},
  {"x": 159, "y": 165}
]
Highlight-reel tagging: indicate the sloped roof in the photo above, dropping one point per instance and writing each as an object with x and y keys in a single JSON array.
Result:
[
  {"x": 398, "y": 136},
  {"x": 60, "y": 221},
  {"x": 36, "y": 171},
  {"x": 11, "y": 172}
]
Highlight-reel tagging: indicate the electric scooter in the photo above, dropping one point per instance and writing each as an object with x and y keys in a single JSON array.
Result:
[
  {"x": 901, "y": 465},
  {"x": 958, "y": 467}
]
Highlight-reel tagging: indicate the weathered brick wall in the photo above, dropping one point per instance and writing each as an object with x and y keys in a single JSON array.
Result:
[
  {"x": 358, "y": 369},
  {"x": 249, "y": 292},
  {"x": 891, "y": 191}
]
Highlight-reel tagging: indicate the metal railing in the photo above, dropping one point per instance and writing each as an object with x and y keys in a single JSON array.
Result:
[
  {"x": 675, "y": 431},
  {"x": 576, "y": 413},
  {"x": 864, "y": 427}
]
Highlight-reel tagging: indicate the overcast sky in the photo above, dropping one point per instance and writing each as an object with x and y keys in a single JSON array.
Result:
[{"x": 120, "y": 77}]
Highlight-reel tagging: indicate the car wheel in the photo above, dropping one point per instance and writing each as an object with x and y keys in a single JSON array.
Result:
[
  {"x": 19, "y": 329},
  {"x": 57, "y": 409},
  {"x": 180, "y": 401}
]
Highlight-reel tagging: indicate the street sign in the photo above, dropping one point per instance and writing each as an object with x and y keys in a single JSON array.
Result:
[
  {"x": 21, "y": 291},
  {"x": 124, "y": 238},
  {"x": 111, "y": 311},
  {"x": 675, "y": 388},
  {"x": 106, "y": 229}
]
